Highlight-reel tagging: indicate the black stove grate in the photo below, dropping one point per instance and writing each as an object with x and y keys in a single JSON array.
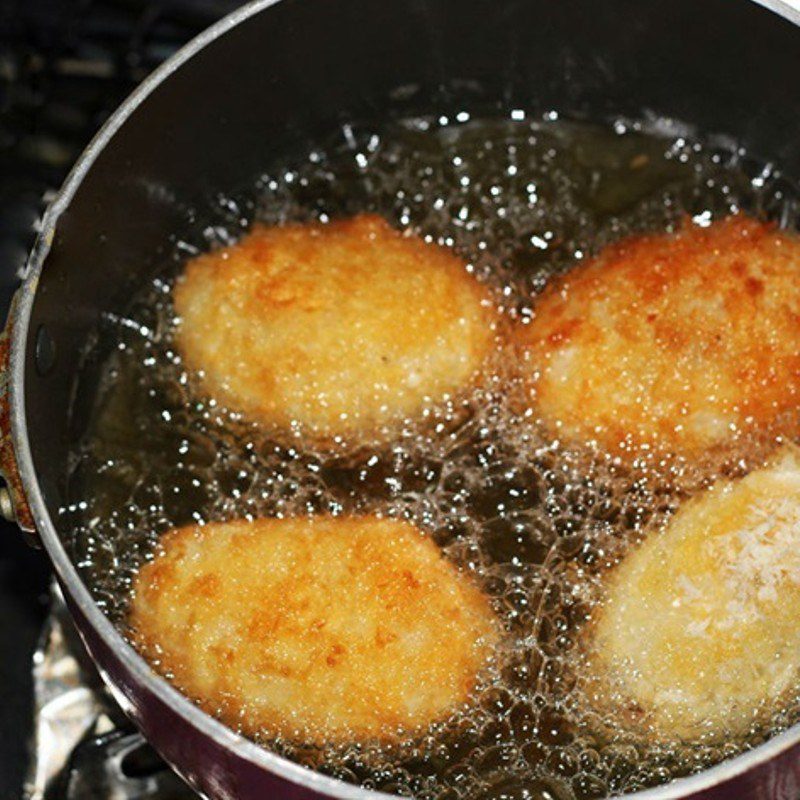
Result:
[{"x": 65, "y": 65}]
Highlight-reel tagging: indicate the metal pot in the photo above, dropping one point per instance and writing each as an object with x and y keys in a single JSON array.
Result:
[{"x": 275, "y": 73}]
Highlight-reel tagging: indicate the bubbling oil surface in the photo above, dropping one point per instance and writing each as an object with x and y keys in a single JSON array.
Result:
[{"x": 534, "y": 521}]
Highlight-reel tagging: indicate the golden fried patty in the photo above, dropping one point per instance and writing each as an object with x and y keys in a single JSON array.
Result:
[
  {"x": 671, "y": 341},
  {"x": 316, "y": 629},
  {"x": 340, "y": 328},
  {"x": 699, "y": 633}
]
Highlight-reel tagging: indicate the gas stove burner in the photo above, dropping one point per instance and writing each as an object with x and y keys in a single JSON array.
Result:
[
  {"x": 117, "y": 766},
  {"x": 83, "y": 746}
]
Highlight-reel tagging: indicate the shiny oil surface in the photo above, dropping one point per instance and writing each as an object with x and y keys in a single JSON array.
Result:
[{"x": 534, "y": 521}]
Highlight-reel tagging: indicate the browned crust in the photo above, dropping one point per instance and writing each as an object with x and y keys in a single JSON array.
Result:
[
  {"x": 705, "y": 321},
  {"x": 338, "y": 629},
  {"x": 342, "y": 328}
]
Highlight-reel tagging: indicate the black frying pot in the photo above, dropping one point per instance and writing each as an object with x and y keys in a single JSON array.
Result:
[{"x": 250, "y": 88}]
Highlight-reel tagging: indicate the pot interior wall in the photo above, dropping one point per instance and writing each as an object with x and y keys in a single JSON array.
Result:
[{"x": 302, "y": 68}]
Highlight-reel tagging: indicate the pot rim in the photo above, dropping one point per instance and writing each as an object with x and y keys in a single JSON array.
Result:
[{"x": 78, "y": 591}]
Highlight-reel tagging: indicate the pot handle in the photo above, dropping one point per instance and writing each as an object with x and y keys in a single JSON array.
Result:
[{"x": 13, "y": 503}]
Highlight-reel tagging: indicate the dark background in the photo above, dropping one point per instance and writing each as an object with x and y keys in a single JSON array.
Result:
[{"x": 64, "y": 66}]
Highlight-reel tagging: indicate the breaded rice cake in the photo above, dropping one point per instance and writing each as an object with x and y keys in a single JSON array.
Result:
[
  {"x": 698, "y": 635},
  {"x": 313, "y": 629},
  {"x": 673, "y": 342},
  {"x": 340, "y": 329}
]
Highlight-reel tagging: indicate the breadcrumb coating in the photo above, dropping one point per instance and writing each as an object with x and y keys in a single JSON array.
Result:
[
  {"x": 698, "y": 634},
  {"x": 314, "y": 629},
  {"x": 673, "y": 342},
  {"x": 341, "y": 329}
]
